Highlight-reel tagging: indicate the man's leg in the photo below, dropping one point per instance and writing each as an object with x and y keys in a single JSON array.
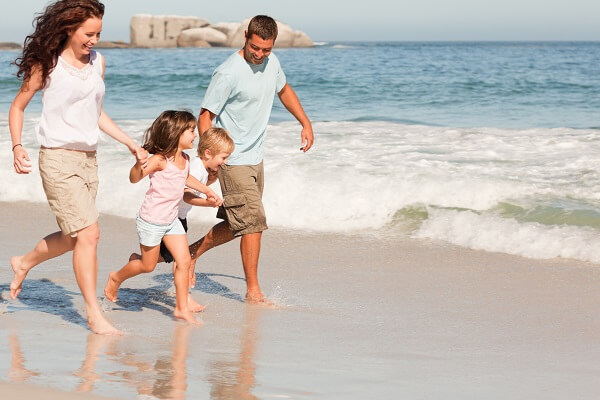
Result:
[{"x": 250, "y": 250}]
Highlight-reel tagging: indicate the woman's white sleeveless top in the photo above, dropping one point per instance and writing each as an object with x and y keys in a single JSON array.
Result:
[{"x": 71, "y": 106}]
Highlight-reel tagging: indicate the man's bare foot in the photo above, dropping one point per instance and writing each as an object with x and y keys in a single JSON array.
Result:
[
  {"x": 259, "y": 299},
  {"x": 20, "y": 273},
  {"x": 187, "y": 316},
  {"x": 101, "y": 326},
  {"x": 111, "y": 288},
  {"x": 193, "y": 305}
]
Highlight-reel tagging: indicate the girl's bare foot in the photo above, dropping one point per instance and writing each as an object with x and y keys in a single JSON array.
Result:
[
  {"x": 193, "y": 305},
  {"x": 187, "y": 316},
  {"x": 20, "y": 273},
  {"x": 111, "y": 288}
]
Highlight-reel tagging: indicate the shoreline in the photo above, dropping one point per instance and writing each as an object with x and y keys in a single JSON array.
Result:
[{"x": 357, "y": 316}]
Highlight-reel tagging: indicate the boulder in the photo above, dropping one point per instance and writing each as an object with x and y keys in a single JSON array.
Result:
[
  {"x": 160, "y": 30},
  {"x": 286, "y": 36},
  {"x": 9, "y": 46},
  {"x": 112, "y": 45},
  {"x": 202, "y": 37},
  {"x": 176, "y": 31}
]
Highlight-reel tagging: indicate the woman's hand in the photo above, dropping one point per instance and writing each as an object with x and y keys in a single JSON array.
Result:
[{"x": 22, "y": 163}]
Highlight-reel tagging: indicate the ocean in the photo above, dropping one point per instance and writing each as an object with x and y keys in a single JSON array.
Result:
[{"x": 486, "y": 145}]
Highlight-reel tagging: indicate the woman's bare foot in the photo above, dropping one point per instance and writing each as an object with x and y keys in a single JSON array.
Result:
[
  {"x": 20, "y": 273},
  {"x": 187, "y": 316},
  {"x": 193, "y": 305},
  {"x": 112, "y": 287},
  {"x": 101, "y": 326}
]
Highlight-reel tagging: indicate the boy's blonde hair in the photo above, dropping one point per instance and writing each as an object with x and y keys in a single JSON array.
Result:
[{"x": 216, "y": 140}]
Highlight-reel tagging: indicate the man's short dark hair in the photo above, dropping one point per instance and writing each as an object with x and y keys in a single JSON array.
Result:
[{"x": 262, "y": 26}]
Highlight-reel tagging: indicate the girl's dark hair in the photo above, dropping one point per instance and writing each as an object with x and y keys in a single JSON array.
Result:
[
  {"x": 163, "y": 135},
  {"x": 51, "y": 31}
]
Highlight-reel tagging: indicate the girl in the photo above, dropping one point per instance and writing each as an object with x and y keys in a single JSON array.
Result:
[
  {"x": 170, "y": 134},
  {"x": 58, "y": 59}
]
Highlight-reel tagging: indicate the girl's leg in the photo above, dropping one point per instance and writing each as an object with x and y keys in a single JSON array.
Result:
[
  {"x": 85, "y": 266},
  {"x": 135, "y": 266},
  {"x": 49, "y": 247},
  {"x": 178, "y": 246}
]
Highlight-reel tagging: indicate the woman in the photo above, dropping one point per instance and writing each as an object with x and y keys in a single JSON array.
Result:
[{"x": 58, "y": 59}]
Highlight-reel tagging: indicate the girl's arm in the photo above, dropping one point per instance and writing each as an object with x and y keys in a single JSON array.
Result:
[
  {"x": 201, "y": 187},
  {"x": 15, "y": 120},
  {"x": 143, "y": 168},
  {"x": 195, "y": 200}
]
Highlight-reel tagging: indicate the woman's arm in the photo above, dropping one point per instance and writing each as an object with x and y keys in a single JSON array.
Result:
[
  {"x": 108, "y": 126},
  {"x": 15, "y": 120}
]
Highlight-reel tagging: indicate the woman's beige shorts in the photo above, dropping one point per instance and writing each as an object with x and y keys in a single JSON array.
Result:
[{"x": 70, "y": 180}]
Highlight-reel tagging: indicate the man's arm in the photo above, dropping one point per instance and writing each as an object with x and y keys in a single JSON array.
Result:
[
  {"x": 291, "y": 102},
  {"x": 205, "y": 120}
]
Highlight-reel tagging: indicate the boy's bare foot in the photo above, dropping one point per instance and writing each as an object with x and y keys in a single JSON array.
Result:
[
  {"x": 111, "y": 288},
  {"x": 101, "y": 326},
  {"x": 193, "y": 305},
  {"x": 20, "y": 273},
  {"x": 186, "y": 315}
]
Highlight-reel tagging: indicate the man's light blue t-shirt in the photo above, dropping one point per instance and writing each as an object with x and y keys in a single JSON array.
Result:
[{"x": 241, "y": 96}]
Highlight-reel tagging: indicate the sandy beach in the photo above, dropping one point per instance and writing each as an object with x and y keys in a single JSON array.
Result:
[{"x": 359, "y": 317}]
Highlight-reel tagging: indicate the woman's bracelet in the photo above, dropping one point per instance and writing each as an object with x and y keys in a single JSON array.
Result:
[{"x": 18, "y": 144}]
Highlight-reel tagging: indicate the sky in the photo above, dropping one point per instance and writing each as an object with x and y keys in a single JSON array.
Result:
[{"x": 356, "y": 20}]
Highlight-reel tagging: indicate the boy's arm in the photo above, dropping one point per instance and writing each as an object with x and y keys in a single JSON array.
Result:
[
  {"x": 201, "y": 187},
  {"x": 142, "y": 168}
]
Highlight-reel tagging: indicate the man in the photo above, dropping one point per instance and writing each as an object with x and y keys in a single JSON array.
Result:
[{"x": 239, "y": 99}]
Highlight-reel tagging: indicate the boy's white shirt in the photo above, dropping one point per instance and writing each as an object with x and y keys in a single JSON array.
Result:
[{"x": 198, "y": 171}]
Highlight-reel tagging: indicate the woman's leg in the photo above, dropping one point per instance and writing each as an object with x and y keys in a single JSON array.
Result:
[
  {"x": 85, "y": 266},
  {"x": 49, "y": 247},
  {"x": 146, "y": 263},
  {"x": 178, "y": 246}
]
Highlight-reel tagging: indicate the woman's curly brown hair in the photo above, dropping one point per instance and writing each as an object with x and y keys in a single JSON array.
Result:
[{"x": 51, "y": 31}]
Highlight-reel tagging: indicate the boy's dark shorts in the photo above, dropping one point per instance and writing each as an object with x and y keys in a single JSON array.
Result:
[
  {"x": 242, "y": 188},
  {"x": 164, "y": 252}
]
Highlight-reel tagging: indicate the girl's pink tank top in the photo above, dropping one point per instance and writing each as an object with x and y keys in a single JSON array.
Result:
[{"x": 161, "y": 202}]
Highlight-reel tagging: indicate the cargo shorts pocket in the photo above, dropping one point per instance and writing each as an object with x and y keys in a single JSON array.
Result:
[{"x": 236, "y": 210}]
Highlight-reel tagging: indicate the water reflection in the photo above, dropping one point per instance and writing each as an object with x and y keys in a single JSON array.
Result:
[
  {"x": 237, "y": 378},
  {"x": 127, "y": 365}
]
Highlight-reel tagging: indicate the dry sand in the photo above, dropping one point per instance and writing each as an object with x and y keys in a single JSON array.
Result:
[{"x": 360, "y": 317}]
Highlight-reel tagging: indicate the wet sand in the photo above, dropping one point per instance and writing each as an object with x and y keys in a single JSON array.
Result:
[{"x": 359, "y": 317}]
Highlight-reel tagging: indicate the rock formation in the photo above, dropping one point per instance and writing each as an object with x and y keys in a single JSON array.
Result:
[{"x": 175, "y": 31}]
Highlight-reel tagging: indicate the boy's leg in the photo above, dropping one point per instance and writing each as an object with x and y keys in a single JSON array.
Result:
[
  {"x": 178, "y": 246},
  {"x": 218, "y": 235},
  {"x": 49, "y": 247},
  {"x": 146, "y": 263}
]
